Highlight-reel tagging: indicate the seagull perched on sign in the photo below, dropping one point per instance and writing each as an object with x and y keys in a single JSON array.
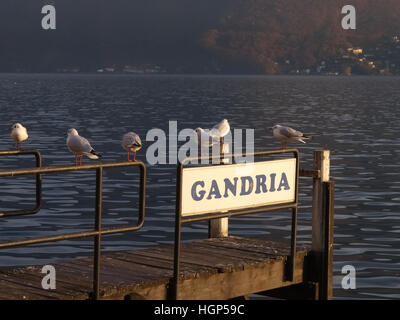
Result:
[
  {"x": 220, "y": 130},
  {"x": 286, "y": 135},
  {"x": 205, "y": 139},
  {"x": 18, "y": 134},
  {"x": 80, "y": 147},
  {"x": 131, "y": 143}
]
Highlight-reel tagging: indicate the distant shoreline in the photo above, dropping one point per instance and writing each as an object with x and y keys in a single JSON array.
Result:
[{"x": 202, "y": 74}]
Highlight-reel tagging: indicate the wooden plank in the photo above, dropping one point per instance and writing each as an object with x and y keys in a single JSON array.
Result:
[
  {"x": 221, "y": 286},
  {"x": 14, "y": 291},
  {"x": 119, "y": 278},
  {"x": 224, "y": 255},
  {"x": 32, "y": 287},
  {"x": 187, "y": 268},
  {"x": 69, "y": 284},
  {"x": 245, "y": 248},
  {"x": 255, "y": 244}
]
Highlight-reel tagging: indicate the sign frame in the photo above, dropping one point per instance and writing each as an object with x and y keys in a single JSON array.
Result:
[
  {"x": 210, "y": 189},
  {"x": 180, "y": 219}
]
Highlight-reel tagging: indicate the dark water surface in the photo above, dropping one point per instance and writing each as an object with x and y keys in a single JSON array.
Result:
[{"x": 356, "y": 118}]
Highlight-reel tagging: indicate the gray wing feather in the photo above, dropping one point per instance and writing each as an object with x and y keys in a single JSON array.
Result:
[
  {"x": 131, "y": 139},
  {"x": 290, "y": 133},
  {"x": 79, "y": 144}
]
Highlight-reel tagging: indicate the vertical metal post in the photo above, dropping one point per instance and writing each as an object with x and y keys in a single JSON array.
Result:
[
  {"x": 38, "y": 182},
  {"x": 291, "y": 265},
  {"x": 177, "y": 245},
  {"x": 326, "y": 287},
  {"x": 321, "y": 163},
  {"x": 219, "y": 228},
  {"x": 177, "y": 253},
  {"x": 320, "y": 222},
  {"x": 97, "y": 238}
]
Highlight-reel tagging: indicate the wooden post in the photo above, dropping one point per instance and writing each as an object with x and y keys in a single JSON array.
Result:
[
  {"x": 322, "y": 224},
  {"x": 326, "y": 286},
  {"x": 218, "y": 228}
]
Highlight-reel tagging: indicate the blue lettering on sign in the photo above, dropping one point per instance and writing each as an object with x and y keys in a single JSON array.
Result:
[
  {"x": 214, "y": 190},
  {"x": 272, "y": 188},
  {"x": 245, "y": 192},
  {"x": 261, "y": 180},
  {"x": 248, "y": 185},
  {"x": 230, "y": 186},
  {"x": 201, "y": 193},
  {"x": 284, "y": 183}
]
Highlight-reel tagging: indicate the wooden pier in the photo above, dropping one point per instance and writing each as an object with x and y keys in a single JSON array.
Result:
[
  {"x": 217, "y": 268},
  {"x": 220, "y": 268}
]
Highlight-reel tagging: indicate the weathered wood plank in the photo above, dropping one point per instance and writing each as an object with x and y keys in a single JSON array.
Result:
[
  {"x": 222, "y": 268},
  {"x": 221, "y": 286}
]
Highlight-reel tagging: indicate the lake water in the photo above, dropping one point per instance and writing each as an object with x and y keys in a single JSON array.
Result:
[{"x": 357, "y": 118}]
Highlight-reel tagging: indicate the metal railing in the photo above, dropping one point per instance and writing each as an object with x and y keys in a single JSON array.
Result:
[
  {"x": 98, "y": 231},
  {"x": 179, "y": 219},
  {"x": 38, "y": 158}
]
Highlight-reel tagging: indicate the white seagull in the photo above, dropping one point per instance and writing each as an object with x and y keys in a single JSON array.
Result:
[
  {"x": 131, "y": 143},
  {"x": 221, "y": 129},
  {"x": 205, "y": 139},
  {"x": 286, "y": 135},
  {"x": 18, "y": 134},
  {"x": 80, "y": 147}
]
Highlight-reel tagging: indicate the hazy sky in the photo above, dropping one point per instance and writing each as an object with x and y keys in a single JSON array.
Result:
[{"x": 103, "y": 31}]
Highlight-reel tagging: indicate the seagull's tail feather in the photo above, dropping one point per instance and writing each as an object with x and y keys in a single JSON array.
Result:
[
  {"x": 93, "y": 154},
  {"x": 306, "y": 137}
]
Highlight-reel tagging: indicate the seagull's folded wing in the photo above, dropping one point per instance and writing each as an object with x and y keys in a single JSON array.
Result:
[
  {"x": 79, "y": 144},
  {"x": 290, "y": 133}
]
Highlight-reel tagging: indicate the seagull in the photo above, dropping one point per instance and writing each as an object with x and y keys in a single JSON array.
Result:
[
  {"x": 286, "y": 134},
  {"x": 18, "y": 134},
  {"x": 205, "y": 139},
  {"x": 79, "y": 146},
  {"x": 131, "y": 143},
  {"x": 221, "y": 129}
]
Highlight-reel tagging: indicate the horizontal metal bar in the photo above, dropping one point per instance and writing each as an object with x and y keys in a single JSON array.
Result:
[
  {"x": 310, "y": 173},
  {"x": 219, "y": 215},
  {"x": 57, "y": 169},
  {"x": 18, "y": 152},
  {"x": 69, "y": 236},
  {"x": 244, "y": 154}
]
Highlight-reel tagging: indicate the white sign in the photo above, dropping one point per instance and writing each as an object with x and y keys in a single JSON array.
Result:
[{"x": 238, "y": 186}]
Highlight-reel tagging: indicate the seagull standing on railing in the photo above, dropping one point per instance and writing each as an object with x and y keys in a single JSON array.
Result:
[
  {"x": 80, "y": 147},
  {"x": 220, "y": 130},
  {"x": 131, "y": 143},
  {"x": 286, "y": 135},
  {"x": 18, "y": 134}
]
